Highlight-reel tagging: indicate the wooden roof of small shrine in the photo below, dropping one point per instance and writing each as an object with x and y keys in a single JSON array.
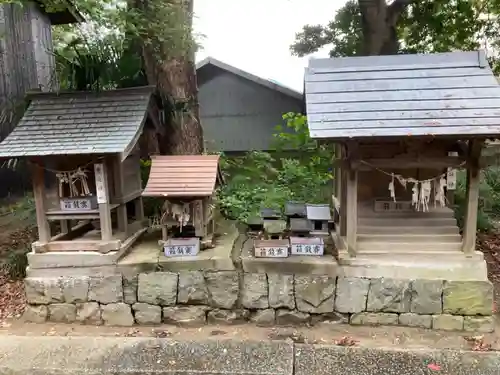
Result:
[
  {"x": 443, "y": 94},
  {"x": 77, "y": 123},
  {"x": 183, "y": 176}
]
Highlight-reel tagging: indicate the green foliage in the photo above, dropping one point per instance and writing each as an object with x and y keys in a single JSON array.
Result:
[
  {"x": 152, "y": 206},
  {"x": 489, "y": 198},
  {"x": 258, "y": 179},
  {"x": 16, "y": 263},
  {"x": 424, "y": 26}
]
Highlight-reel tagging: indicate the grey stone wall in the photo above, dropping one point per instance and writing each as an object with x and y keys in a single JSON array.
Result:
[{"x": 194, "y": 298}]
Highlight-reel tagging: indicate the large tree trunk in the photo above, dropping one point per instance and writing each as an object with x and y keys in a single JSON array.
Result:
[
  {"x": 175, "y": 77},
  {"x": 379, "y": 22}
]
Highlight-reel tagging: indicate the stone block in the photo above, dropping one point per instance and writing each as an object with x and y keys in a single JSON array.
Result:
[
  {"x": 62, "y": 312},
  {"x": 281, "y": 291},
  {"x": 479, "y": 324},
  {"x": 426, "y": 297},
  {"x": 188, "y": 316},
  {"x": 88, "y": 313},
  {"x": 351, "y": 295},
  {"x": 117, "y": 314},
  {"x": 36, "y": 313},
  {"x": 221, "y": 316},
  {"x": 286, "y": 317},
  {"x": 75, "y": 289},
  {"x": 192, "y": 289},
  {"x": 389, "y": 295},
  {"x": 415, "y": 320},
  {"x": 158, "y": 288},
  {"x": 263, "y": 318},
  {"x": 446, "y": 322},
  {"x": 146, "y": 314},
  {"x": 314, "y": 294},
  {"x": 254, "y": 293},
  {"x": 330, "y": 318},
  {"x": 43, "y": 290},
  {"x": 374, "y": 319},
  {"x": 106, "y": 289},
  {"x": 468, "y": 298},
  {"x": 130, "y": 289},
  {"x": 223, "y": 288}
]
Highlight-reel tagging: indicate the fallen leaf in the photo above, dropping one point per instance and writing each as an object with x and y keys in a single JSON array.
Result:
[{"x": 434, "y": 367}]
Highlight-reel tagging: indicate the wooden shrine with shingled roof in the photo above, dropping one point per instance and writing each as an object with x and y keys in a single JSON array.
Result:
[
  {"x": 402, "y": 125},
  {"x": 83, "y": 148},
  {"x": 187, "y": 183}
]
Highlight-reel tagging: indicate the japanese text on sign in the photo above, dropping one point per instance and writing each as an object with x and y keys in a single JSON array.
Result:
[
  {"x": 181, "y": 250},
  {"x": 75, "y": 204},
  {"x": 306, "y": 249},
  {"x": 272, "y": 252}
]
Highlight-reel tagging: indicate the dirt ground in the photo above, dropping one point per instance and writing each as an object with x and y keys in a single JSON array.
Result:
[{"x": 12, "y": 304}]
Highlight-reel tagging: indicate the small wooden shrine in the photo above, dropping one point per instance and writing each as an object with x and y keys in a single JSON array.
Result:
[
  {"x": 187, "y": 183},
  {"x": 402, "y": 125},
  {"x": 82, "y": 147}
]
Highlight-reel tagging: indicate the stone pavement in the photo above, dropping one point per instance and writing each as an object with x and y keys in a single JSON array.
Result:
[{"x": 132, "y": 355}]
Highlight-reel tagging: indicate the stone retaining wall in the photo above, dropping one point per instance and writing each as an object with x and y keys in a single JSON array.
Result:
[{"x": 230, "y": 297}]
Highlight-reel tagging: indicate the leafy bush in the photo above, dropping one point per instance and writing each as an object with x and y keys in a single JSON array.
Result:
[
  {"x": 489, "y": 198},
  {"x": 264, "y": 179},
  {"x": 16, "y": 263}
]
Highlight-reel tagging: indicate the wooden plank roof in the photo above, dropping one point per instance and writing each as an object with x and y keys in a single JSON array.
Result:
[
  {"x": 182, "y": 176},
  {"x": 444, "y": 94},
  {"x": 73, "y": 123}
]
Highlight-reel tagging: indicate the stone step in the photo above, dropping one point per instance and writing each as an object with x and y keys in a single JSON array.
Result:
[
  {"x": 417, "y": 256},
  {"x": 403, "y": 246},
  {"x": 407, "y": 237},
  {"x": 442, "y": 213},
  {"x": 369, "y": 229},
  {"x": 413, "y": 222}
]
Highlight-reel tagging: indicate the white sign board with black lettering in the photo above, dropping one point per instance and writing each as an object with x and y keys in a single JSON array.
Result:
[
  {"x": 181, "y": 247},
  {"x": 307, "y": 246}
]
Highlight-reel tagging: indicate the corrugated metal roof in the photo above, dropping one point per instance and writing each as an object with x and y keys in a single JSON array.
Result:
[
  {"x": 452, "y": 93},
  {"x": 182, "y": 176},
  {"x": 73, "y": 123}
]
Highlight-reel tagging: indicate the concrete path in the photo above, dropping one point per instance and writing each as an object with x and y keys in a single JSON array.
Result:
[{"x": 132, "y": 355}]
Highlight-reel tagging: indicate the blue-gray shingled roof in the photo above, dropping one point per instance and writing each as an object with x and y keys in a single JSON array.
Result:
[
  {"x": 72, "y": 123},
  {"x": 444, "y": 94}
]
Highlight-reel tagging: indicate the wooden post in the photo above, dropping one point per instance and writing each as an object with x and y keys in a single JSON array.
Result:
[
  {"x": 351, "y": 211},
  {"x": 121, "y": 210},
  {"x": 102, "y": 191},
  {"x": 343, "y": 202},
  {"x": 39, "y": 194},
  {"x": 472, "y": 198}
]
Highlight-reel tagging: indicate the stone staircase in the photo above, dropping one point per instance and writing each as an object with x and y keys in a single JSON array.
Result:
[{"x": 396, "y": 235}]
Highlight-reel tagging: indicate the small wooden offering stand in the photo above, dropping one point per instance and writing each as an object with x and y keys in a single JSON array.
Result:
[{"x": 188, "y": 185}]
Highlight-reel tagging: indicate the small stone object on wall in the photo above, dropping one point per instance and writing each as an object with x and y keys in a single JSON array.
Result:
[
  {"x": 187, "y": 316},
  {"x": 389, "y": 295},
  {"x": 281, "y": 291},
  {"x": 157, "y": 288},
  {"x": 426, "y": 296},
  {"x": 117, "y": 314},
  {"x": 223, "y": 288},
  {"x": 192, "y": 288},
  {"x": 106, "y": 289},
  {"x": 315, "y": 294},
  {"x": 147, "y": 314},
  {"x": 255, "y": 291},
  {"x": 352, "y": 293},
  {"x": 468, "y": 297}
]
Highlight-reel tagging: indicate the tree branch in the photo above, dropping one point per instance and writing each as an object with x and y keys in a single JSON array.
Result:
[{"x": 395, "y": 9}]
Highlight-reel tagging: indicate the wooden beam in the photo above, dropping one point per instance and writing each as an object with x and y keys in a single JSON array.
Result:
[
  {"x": 351, "y": 211},
  {"x": 101, "y": 180},
  {"x": 472, "y": 198},
  {"x": 118, "y": 181},
  {"x": 39, "y": 195},
  {"x": 80, "y": 245},
  {"x": 406, "y": 163}
]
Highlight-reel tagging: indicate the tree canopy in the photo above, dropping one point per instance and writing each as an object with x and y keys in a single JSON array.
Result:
[{"x": 420, "y": 27}]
